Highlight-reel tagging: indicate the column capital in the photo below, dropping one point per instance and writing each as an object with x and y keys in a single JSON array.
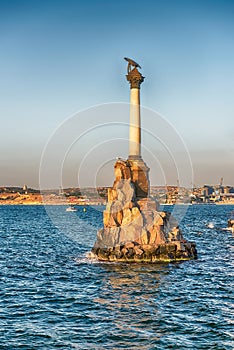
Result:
[{"x": 135, "y": 78}]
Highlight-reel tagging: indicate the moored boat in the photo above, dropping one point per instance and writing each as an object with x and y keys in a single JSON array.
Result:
[{"x": 71, "y": 208}]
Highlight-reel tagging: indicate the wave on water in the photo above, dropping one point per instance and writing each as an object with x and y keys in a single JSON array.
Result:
[{"x": 53, "y": 296}]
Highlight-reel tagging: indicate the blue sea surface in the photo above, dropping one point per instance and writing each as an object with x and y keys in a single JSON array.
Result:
[{"x": 53, "y": 297}]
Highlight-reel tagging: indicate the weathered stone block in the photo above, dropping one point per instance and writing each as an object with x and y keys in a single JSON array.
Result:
[
  {"x": 148, "y": 204},
  {"x": 116, "y": 212},
  {"x": 106, "y": 217},
  {"x": 144, "y": 239},
  {"x": 124, "y": 250},
  {"x": 160, "y": 238},
  {"x": 137, "y": 218},
  {"x": 100, "y": 234},
  {"x": 129, "y": 245},
  {"x": 128, "y": 190},
  {"x": 130, "y": 253},
  {"x": 128, "y": 205},
  {"x": 129, "y": 233},
  {"x": 116, "y": 207},
  {"x": 147, "y": 247},
  {"x": 163, "y": 249},
  {"x": 120, "y": 195},
  {"x": 111, "y": 221},
  {"x": 103, "y": 253},
  {"x": 138, "y": 251},
  {"x": 158, "y": 219},
  {"x": 110, "y": 236},
  {"x": 180, "y": 246},
  {"x": 118, "y": 254},
  {"x": 112, "y": 194},
  {"x": 171, "y": 248},
  {"x": 153, "y": 232},
  {"x": 127, "y": 217},
  {"x": 119, "y": 218},
  {"x": 148, "y": 217}
]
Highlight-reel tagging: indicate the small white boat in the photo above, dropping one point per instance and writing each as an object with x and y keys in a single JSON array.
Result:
[
  {"x": 71, "y": 208},
  {"x": 210, "y": 225}
]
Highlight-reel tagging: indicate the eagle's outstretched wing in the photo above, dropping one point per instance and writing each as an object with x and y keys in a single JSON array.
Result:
[{"x": 131, "y": 62}]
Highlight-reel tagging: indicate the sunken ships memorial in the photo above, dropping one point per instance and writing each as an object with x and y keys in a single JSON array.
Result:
[{"x": 134, "y": 229}]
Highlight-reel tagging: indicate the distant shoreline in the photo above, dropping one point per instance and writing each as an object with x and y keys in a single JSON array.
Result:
[
  {"x": 102, "y": 204},
  {"x": 99, "y": 196}
]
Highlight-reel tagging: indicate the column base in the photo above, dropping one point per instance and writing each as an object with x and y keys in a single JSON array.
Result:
[
  {"x": 135, "y": 157},
  {"x": 139, "y": 175}
]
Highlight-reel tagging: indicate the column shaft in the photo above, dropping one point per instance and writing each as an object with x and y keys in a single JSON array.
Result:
[{"x": 135, "y": 124}]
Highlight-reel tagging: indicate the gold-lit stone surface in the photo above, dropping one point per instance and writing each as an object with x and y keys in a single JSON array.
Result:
[{"x": 134, "y": 229}]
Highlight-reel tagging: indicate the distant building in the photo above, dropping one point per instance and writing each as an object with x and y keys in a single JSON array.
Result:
[
  {"x": 25, "y": 189},
  {"x": 207, "y": 190}
]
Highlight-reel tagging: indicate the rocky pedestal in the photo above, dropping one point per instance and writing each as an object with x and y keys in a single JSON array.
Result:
[{"x": 134, "y": 230}]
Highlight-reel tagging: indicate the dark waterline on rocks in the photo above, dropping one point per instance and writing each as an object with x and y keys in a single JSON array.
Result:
[{"x": 53, "y": 297}]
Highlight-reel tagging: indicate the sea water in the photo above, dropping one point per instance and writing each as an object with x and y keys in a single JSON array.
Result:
[{"x": 53, "y": 297}]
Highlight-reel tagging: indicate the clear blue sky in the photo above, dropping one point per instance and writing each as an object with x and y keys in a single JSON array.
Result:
[{"x": 59, "y": 57}]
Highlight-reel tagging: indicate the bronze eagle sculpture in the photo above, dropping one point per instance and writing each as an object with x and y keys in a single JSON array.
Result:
[{"x": 131, "y": 63}]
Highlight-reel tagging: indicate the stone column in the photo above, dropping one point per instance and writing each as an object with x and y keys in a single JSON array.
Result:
[
  {"x": 138, "y": 169},
  {"x": 135, "y": 79}
]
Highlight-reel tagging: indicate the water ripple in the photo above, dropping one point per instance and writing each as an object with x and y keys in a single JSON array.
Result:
[{"x": 52, "y": 296}]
